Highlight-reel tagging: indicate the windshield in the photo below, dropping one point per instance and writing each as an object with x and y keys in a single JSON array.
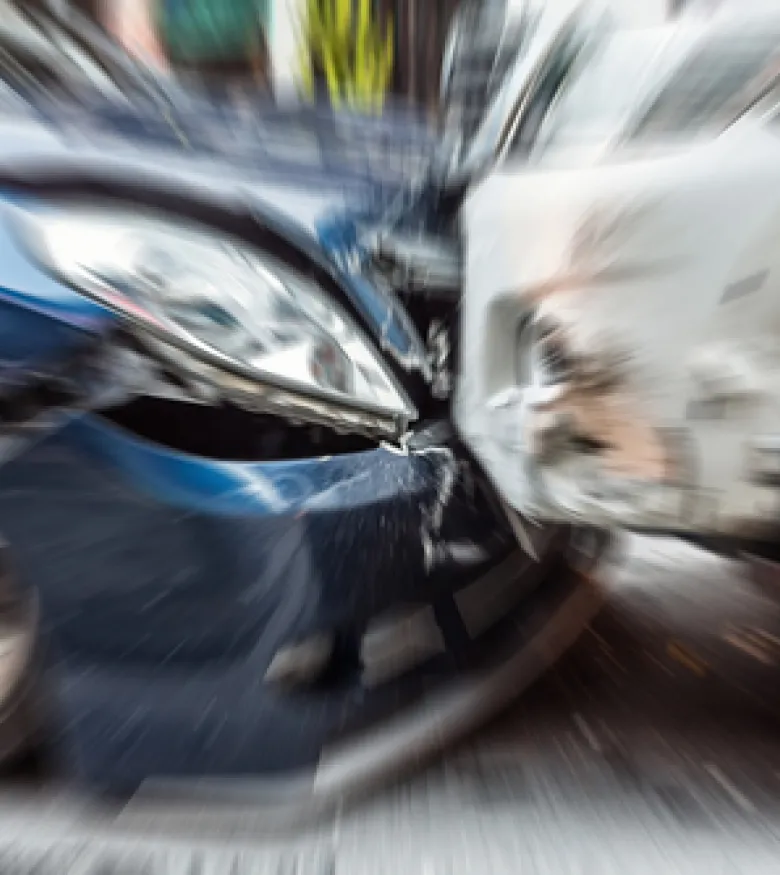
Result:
[
  {"x": 720, "y": 79},
  {"x": 660, "y": 83},
  {"x": 557, "y": 35},
  {"x": 602, "y": 89},
  {"x": 487, "y": 48}
]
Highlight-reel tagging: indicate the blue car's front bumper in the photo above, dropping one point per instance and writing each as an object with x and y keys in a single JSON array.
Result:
[{"x": 168, "y": 583}]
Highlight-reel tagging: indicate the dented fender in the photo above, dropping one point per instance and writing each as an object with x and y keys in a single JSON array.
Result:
[{"x": 620, "y": 321}]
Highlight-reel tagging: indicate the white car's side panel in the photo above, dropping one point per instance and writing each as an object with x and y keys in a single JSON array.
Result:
[{"x": 661, "y": 276}]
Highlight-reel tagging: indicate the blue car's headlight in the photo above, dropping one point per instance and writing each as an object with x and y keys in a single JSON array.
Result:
[{"x": 265, "y": 335}]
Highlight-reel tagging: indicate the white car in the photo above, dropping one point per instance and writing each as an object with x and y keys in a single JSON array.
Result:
[{"x": 620, "y": 348}]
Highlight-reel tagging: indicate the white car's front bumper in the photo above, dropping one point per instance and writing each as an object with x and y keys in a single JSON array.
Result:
[{"x": 658, "y": 281}]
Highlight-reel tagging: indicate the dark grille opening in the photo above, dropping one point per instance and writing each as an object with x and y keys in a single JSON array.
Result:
[{"x": 227, "y": 433}]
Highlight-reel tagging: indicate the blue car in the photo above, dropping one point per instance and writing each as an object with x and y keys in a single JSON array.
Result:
[{"x": 245, "y": 554}]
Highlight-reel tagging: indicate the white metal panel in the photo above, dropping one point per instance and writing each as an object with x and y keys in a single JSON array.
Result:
[{"x": 669, "y": 258}]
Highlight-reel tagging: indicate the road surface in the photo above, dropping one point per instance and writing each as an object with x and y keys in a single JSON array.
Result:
[{"x": 653, "y": 747}]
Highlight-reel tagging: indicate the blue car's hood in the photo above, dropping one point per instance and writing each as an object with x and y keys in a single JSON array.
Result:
[
  {"x": 32, "y": 146},
  {"x": 271, "y": 151}
]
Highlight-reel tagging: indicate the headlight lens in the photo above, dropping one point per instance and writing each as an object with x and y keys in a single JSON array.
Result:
[{"x": 236, "y": 311}]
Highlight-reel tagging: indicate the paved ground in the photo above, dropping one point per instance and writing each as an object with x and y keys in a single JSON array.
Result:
[{"x": 654, "y": 747}]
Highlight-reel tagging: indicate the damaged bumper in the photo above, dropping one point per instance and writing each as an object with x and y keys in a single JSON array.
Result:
[
  {"x": 218, "y": 620},
  {"x": 619, "y": 369},
  {"x": 588, "y": 459}
]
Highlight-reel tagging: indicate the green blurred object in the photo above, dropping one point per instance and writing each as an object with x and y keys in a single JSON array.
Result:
[
  {"x": 345, "y": 46},
  {"x": 212, "y": 30}
]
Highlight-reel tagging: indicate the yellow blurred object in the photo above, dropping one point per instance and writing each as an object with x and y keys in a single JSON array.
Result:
[{"x": 343, "y": 42}]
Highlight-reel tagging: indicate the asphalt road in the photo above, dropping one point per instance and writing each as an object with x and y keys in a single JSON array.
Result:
[{"x": 653, "y": 747}]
